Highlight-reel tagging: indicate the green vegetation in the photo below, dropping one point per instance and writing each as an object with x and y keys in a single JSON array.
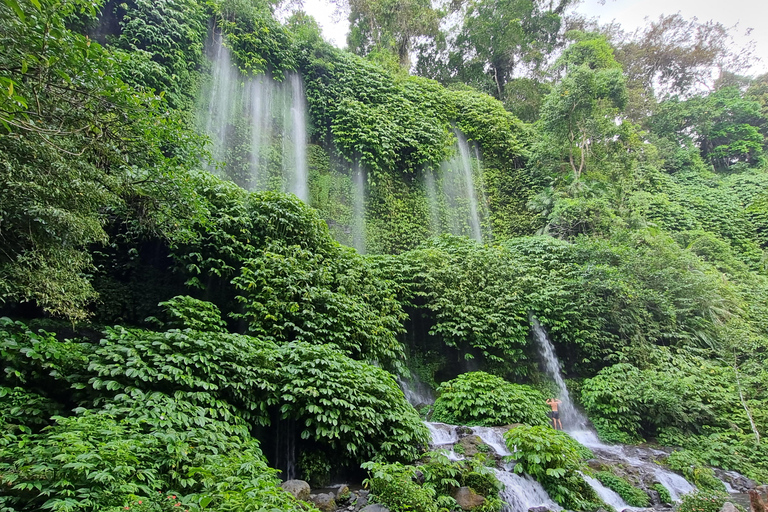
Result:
[
  {"x": 632, "y": 495},
  {"x": 395, "y": 486},
  {"x": 553, "y": 458},
  {"x": 478, "y": 398},
  {"x": 702, "y": 501},
  {"x": 174, "y": 410},
  {"x": 694, "y": 471},
  {"x": 166, "y": 311},
  {"x": 664, "y": 495}
]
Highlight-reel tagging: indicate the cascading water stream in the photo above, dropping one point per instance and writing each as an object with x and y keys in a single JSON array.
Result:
[
  {"x": 520, "y": 492},
  {"x": 257, "y": 125},
  {"x": 457, "y": 206},
  {"x": 358, "y": 208},
  {"x": 466, "y": 166},
  {"x": 571, "y": 417},
  {"x": 577, "y": 426}
]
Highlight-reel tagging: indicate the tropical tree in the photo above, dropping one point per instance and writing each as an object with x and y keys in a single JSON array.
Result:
[
  {"x": 389, "y": 25},
  {"x": 582, "y": 108},
  {"x": 495, "y": 38}
]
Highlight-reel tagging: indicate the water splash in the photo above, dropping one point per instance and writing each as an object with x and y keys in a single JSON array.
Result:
[
  {"x": 442, "y": 433},
  {"x": 522, "y": 492},
  {"x": 493, "y": 437}
]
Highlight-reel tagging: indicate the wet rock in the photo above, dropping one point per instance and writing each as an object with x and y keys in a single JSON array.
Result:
[
  {"x": 540, "y": 508},
  {"x": 342, "y": 493},
  {"x": 729, "y": 507},
  {"x": 655, "y": 497},
  {"x": 299, "y": 489},
  {"x": 324, "y": 502},
  {"x": 375, "y": 507},
  {"x": 361, "y": 501},
  {"x": 596, "y": 465},
  {"x": 737, "y": 481},
  {"x": 468, "y": 499},
  {"x": 469, "y": 445}
]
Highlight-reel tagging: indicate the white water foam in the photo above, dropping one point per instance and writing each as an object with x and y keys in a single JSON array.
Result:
[{"x": 522, "y": 492}]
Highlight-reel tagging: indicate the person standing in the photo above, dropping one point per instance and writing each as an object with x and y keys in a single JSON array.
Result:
[{"x": 555, "y": 413}]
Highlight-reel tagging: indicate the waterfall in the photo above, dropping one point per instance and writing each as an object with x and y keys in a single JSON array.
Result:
[
  {"x": 485, "y": 211},
  {"x": 257, "y": 125},
  {"x": 522, "y": 492},
  {"x": 493, "y": 437},
  {"x": 442, "y": 433},
  {"x": 358, "y": 210},
  {"x": 577, "y": 426},
  {"x": 295, "y": 168},
  {"x": 571, "y": 417},
  {"x": 458, "y": 187},
  {"x": 612, "y": 498},
  {"x": 466, "y": 166},
  {"x": 223, "y": 94}
]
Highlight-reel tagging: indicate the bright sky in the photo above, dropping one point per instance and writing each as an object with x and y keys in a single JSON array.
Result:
[{"x": 630, "y": 14}]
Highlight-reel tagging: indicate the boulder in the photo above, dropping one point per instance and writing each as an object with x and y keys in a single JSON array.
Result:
[
  {"x": 375, "y": 507},
  {"x": 468, "y": 499},
  {"x": 299, "y": 489},
  {"x": 737, "y": 481},
  {"x": 324, "y": 502},
  {"x": 728, "y": 507},
  {"x": 342, "y": 493},
  {"x": 469, "y": 445},
  {"x": 596, "y": 465},
  {"x": 361, "y": 501}
]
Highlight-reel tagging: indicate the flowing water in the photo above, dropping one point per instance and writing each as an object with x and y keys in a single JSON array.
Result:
[
  {"x": 612, "y": 498},
  {"x": 520, "y": 492},
  {"x": 459, "y": 203},
  {"x": 577, "y": 426},
  {"x": 358, "y": 208},
  {"x": 466, "y": 167},
  {"x": 257, "y": 125}
]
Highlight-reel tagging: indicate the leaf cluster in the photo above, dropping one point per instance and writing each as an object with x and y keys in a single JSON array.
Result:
[{"x": 478, "y": 398}]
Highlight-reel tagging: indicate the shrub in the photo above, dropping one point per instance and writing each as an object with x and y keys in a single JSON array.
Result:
[
  {"x": 664, "y": 494},
  {"x": 553, "y": 458},
  {"x": 478, "y": 398},
  {"x": 393, "y": 486},
  {"x": 632, "y": 495},
  {"x": 687, "y": 463},
  {"x": 702, "y": 501},
  {"x": 348, "y": 406},
  {"x": 441, "y": 477}
]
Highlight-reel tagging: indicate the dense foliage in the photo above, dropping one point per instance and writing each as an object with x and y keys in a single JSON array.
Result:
[
  {"x": 553, "y": 458},
  {"x": 397, "y": 487},
  {"x": 477, "y": 398},
  {"x": 202, "y": 313},
  {"x": 176, "y": 409}
]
